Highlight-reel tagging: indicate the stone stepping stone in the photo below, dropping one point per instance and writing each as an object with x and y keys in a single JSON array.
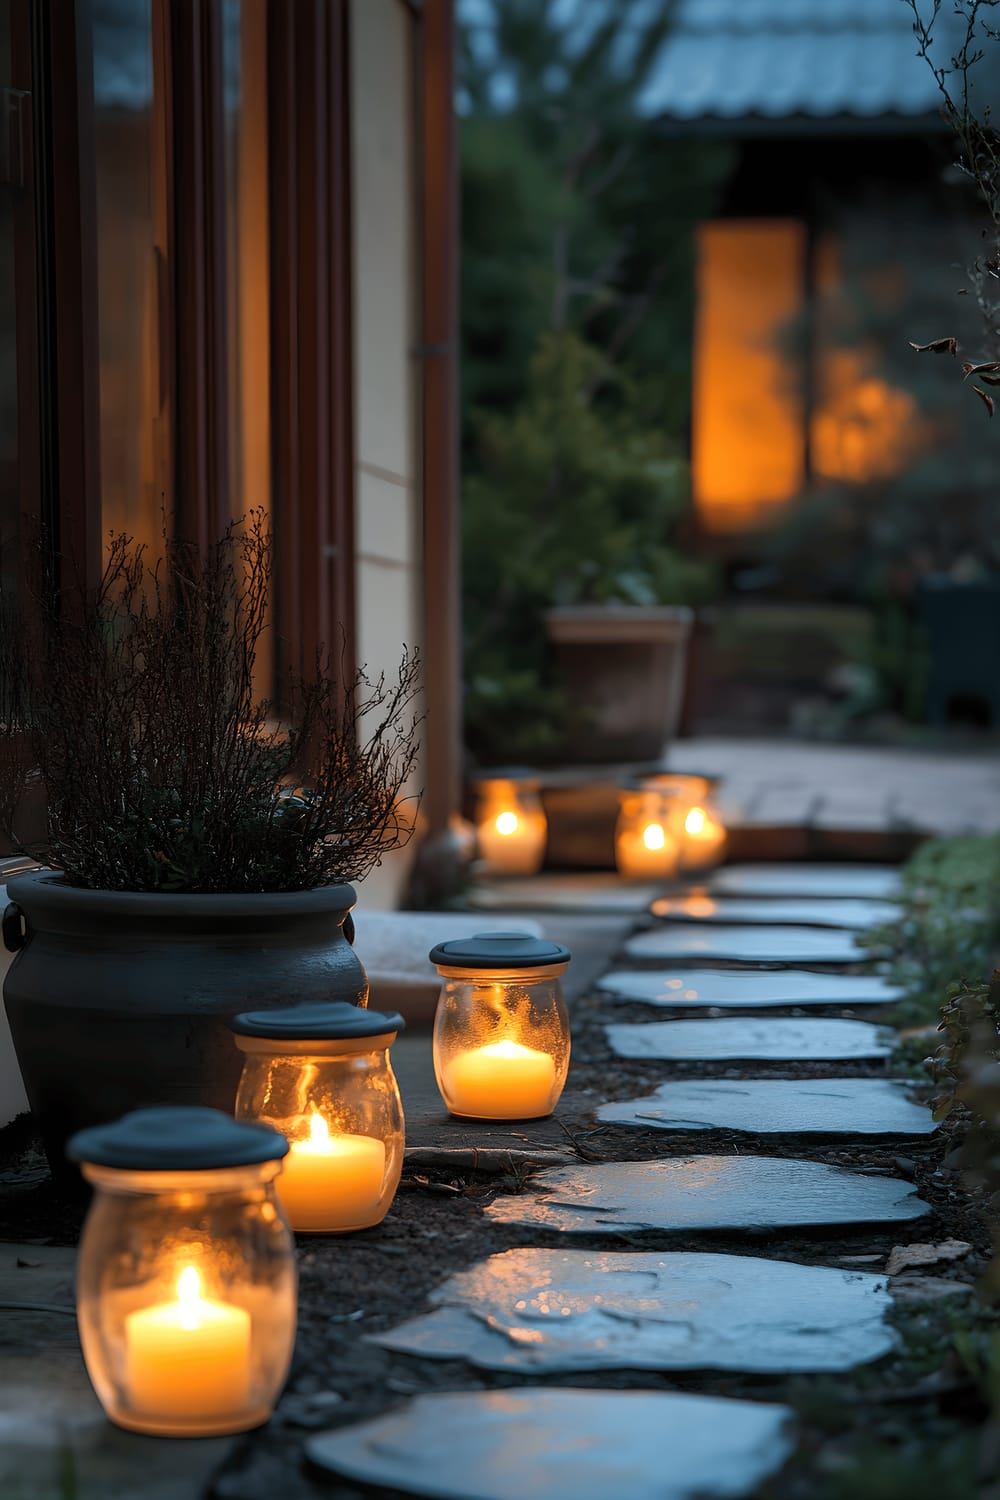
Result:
[
  {"x": 686, "y": 1193},
  {"x": 778, "y": 1106},
  {"x": 868, "y": 882},
  {"x": 856, "y": 915},
  {"x": 772, "y": 1040},
  {"x": 542, "y": 1311},
  {"x": 748, "y": 945},
  {"x": 734, "y": 990},
  {"x": 539, "y": 1443},
  {"x": 605, "y": 893}
]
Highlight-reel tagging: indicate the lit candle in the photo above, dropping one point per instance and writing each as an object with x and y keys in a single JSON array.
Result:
[
  {"x": 704, "y": 839},
  {"x": 503, "y": 1081},
  {"x": 188, "y": 1359},
  {"x": 332, "y": 1182},
  {"x": 511, "y": 844},
  {"x": 648, "y": 851},
  {"x": 510, "y": 825}
]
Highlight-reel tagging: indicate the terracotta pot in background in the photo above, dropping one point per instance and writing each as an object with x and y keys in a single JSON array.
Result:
[{"x": 626, "y": 665}]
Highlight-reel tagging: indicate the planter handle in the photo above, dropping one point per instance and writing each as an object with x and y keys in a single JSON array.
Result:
[
  {"x": 14, "y": 935},
  {"x": 349, "y": 929}
]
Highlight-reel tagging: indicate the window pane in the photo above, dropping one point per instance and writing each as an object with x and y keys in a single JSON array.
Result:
[
  {"x": 749, "y": 444},
  {"x": 244, "y": 66},
  {"x": 133, "y": 439}
]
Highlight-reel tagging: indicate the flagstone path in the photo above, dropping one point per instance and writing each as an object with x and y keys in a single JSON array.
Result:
[
  {"x": 789, "y": 1107},
  {"x": 550, "y": 1444},
  {"x": 538, "y": 1310},
  {"x": 808, "y": 912},
  {"x": 679, "y": 1194},
  {"x": 745, "y": 989},
  {"x": 623, "y": 1273},
  {"x": 541, "y": 1310},
  {"x": 771, "y": 1040},
  {"x": 764, "y": 944},
  {"x": 794, "y": 881}
]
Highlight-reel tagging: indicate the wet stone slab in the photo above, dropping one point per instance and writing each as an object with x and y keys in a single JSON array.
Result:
[
  {"x": 547, "y": 1311},
  {"x": 778, "y": 1106},
  {"x": 861, "y": 882},
  {"x": 687, "y": 1193},
  {"x": 772, "y": 1040},
  {"x": 565, "y": 893},
  {"x": 731, "y": 910},
  {"x": 730, "y": 989},
  {"x": 748, "y": 945},
  {"x": 550, "y": 1444}
]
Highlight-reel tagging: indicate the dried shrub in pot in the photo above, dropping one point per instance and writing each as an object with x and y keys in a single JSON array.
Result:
[{"x": 134, "y": 705}]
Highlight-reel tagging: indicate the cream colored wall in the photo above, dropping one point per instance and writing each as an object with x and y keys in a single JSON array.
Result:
[{"x": 387, "y": 477}]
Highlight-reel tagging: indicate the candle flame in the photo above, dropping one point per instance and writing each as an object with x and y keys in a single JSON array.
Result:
[
  {"x": 189, "y": 1287},
  {"x": 695, "y": 821},
  {"x": 319, "y": 1130},
  {"x": 507, "y": 823},
  {"x": 653, "y": 836}
]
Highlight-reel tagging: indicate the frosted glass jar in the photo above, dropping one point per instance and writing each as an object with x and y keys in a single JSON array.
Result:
[
  {"x": 186, "y": 1279},
  {"x": 646, "y": 843},
  {"x": 321, "y": 1074},
  {"x": 501, "y": 1030},
  {"x": 695, "y": 820},
  {"x": 511, "y": 827}
]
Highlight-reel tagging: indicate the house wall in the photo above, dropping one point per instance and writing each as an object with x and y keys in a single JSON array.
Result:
[{"x": 386, "y": 373}]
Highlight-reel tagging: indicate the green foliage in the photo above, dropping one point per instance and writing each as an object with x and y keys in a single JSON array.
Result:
[
  {"x": 969, "y": 1024},
  {"x": 577, "y": 296},
  {"x": 576, "y": 213},
  {"x": 574, "y": 503},
  {"x": 949, "y": 925},
  {"x": 917, "y": 1471},
  {"x": 915, "y": 494}
]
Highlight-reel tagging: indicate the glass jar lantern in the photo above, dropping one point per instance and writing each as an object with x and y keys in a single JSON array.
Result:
[
  {"x": 186, "y": 1279},
  {"x": 646, "y": 843},
  {"x": 501, "y": 1030},
  {"x": 321, "y": 1075},
  {"x": 696, "y": 822},
  {"x": 511, "y": 827}
]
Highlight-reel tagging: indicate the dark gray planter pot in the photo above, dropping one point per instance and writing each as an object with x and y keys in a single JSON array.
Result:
[{"x": 120, "y": 999}]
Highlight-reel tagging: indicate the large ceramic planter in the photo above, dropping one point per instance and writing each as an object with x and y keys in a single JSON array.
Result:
[
  {"x": 626, "y": 665},
  {"x": 117, "y": 1000}
]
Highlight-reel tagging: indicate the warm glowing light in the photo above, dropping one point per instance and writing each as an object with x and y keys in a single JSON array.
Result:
[
  {"x": 502, "y": 1081},
  {"x": 335, "y": 1182},
  {"x": 747, "y": 447},
  {"x": 653, "y": 836},
  {"x": 507, "y": 823},
  {"x": 695, "y": 821},
  {"x": 189, "y": 1296},
  {"x": 189, "y": 1360}
]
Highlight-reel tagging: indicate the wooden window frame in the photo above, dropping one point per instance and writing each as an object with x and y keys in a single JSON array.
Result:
[
  {"x": 439, "y": 243},
  {"x": 311, "y": 331}
]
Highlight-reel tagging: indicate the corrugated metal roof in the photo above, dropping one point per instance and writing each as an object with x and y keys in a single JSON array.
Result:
[{"x": 769, "y": 60}]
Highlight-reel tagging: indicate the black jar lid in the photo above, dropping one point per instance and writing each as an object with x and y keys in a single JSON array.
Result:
[
  {"x": 337, "y": 1020},
  {"x": 499, "y": 950},
  {"x": 177, "y": 1138}
]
